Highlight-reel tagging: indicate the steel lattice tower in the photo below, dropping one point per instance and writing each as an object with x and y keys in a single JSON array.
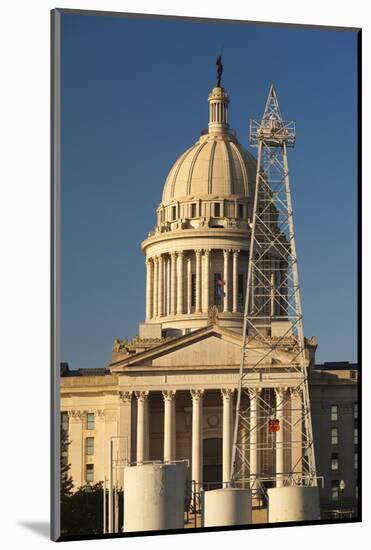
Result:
[{"x": 273, "y": 419}]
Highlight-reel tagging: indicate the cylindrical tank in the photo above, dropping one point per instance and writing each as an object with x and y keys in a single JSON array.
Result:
[
  {"x": 293, "y": 504},
  {"x": 229, "y": 506},
  {"x": 154, "y": 497}
]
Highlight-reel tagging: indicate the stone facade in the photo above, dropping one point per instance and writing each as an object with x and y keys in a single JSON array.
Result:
[{"x": 169, "y": 413}]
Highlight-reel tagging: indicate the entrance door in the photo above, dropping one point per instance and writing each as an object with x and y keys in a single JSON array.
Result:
[{"x": 212, "y": 461}]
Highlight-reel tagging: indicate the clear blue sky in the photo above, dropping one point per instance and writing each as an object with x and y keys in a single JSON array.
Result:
[{"x": 134, "y": 97}]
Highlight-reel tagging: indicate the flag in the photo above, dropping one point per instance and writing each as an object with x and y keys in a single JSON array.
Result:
[{"x": 219, "y": 288}]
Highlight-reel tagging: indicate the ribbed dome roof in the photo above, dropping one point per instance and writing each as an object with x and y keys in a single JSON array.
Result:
[{"x": 215, "y": 165}]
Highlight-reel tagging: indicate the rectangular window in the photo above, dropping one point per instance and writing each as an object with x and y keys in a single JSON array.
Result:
[
  {"x": 217, "y": 210},
  {"x": 334, "y": 436},
  {"x": 356, "y": 490},
  {"x": 193, "y": 289},
  {"x": 355, "y": 435},
  {"x": 89, "y": 445},
  {"x": 334, "y": 461},
  {"x": 64, "y": 421},
  {"x": 218, "y": 289},
  {"x": 334, "y": 490},
  {"x": 90, "y": 421},
  {"x": 240, "y": 289},
  {"x": 356, "y": 461},
  {"x": 334, "y": 413},
  {"x": 193, "y": 210},
  {"x": 355, "y": 411},
  {"x": 89, "y": 473},
  {"x": 240, "y": 210},
  {"x": 173, "y": 213}
]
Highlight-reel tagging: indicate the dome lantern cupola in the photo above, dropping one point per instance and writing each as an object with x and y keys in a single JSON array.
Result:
[{"x": 218, "y": 119}]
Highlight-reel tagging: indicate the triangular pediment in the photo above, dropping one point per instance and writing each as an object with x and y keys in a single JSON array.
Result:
[{"x": 211, "y": 346}]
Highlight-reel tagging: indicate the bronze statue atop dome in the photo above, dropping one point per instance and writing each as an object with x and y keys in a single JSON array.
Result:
[{"x": 219, "y": 70}]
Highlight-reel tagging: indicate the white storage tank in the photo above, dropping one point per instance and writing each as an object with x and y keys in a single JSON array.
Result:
[
  {"x": 154, "y": 497},
  {"x": 293, "y": 504},
  {"x": 229, "y": 506}
]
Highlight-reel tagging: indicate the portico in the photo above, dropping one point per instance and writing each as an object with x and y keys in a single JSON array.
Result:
[{"x": 189, "y": 402}]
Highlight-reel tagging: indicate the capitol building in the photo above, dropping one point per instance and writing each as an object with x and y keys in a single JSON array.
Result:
[{"x": 170, "y": 393}]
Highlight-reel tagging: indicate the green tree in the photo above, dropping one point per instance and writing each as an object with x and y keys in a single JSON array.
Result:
[{"x": 66, "y": 479}]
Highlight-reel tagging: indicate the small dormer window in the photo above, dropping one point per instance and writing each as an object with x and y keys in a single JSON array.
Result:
[
  {"x": 173, "y": 213},
  {"x": 240, "y": 210},
  {"x": 217, "y": 210},
  {"x": 193, "y": 210}
]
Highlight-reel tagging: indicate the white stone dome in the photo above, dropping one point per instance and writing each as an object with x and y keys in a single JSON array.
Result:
[{"x": 215, "y": 165}]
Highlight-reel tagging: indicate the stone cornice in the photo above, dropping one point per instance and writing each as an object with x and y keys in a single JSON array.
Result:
[
  {"x": 86, "y": 385},
  {"x": 209, "y": 232}
]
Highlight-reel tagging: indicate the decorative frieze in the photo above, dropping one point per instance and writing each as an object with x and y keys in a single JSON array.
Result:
[
  {"x": 226, "y": 393},
  {"x": 76, "y": 414},
  {"x": 254, "y": 392},
  {"x": 296, "y": 393},
  {"x": 141, "y": 395},
  {"x": 168, "y": 394},
  {"x": 197, "y": 394},
  {"x": 125, "y": 396}
]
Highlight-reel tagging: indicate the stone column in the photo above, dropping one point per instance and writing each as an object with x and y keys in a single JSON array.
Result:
[
  {"x": 189, "y": 285},
  {"x": 296, "y": 433},
  {"x": 173, "y": 284},
  {"x": 227, "y": 395},
  {"x": 146, "y": 428},
  {"x": 280, "y": 464},
  {"x": 225, "y": 277},
  {"x": 164, "y": 299},
  {"x": 197, "y": 437},
  {"x": 245, "y": 452},
  {"x": 141, "y": 399},
  {"x": 155, "y": 287},
  {"x": 198, "y": 281},
  {"x": 180, "y": 283},
  {"x": 160, "y": 285},
  {"x": 149, "y": 288},
  {"x": 168, "y": 285},
  {"x": 206, "y": 279},
  {"x": 173, "y": 435},
  {"x": 124, "y": 431},
  {"x": 254, "y": 407},
  {"x": 169, "y": 397},
  {"x": 235, "y": 281}
]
